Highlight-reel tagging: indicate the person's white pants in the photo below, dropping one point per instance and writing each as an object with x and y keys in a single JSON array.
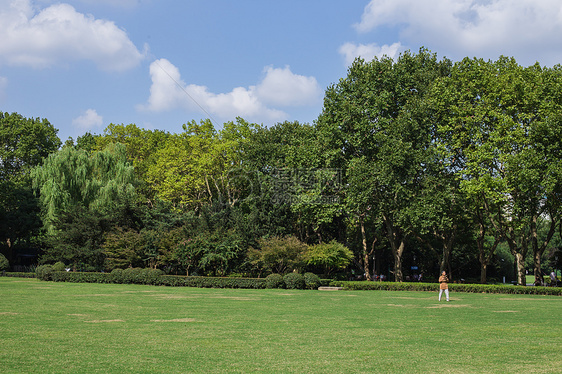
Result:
[{"x": 446, "y": 294}]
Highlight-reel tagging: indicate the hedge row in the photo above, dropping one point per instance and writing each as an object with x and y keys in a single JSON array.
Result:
[
  {"x": 472, "y": 288},
  {"x": 293, "y": 281},
  {"x": 15, "y": 274},
  {"x": 212, "y": 282},
  {"x": 147, "y": 276}
]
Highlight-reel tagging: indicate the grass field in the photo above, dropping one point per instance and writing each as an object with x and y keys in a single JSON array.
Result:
[{"x": 91, "y": 328}]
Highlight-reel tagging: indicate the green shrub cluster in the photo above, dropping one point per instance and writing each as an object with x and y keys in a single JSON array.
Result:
[
  {"x": 274, "y": 281},
  {"x": 312, "y": 281},
  {"x": 44, "y": 272},
  {"x": 473, "y": 288},
  {"x": 294, "y": 281},
  {"x": 59, "y": 266}
]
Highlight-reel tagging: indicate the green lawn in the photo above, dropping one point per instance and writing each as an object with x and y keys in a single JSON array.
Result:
[{"x": 92, "y": 328}]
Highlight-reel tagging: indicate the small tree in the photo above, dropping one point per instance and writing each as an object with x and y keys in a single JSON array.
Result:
[
  {"x": 330, "y": 256},
  {"x": 278, "y": 254}
]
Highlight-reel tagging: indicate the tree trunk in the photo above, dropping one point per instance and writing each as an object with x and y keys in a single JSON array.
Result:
[
  {"x": 397, "y": 244},
  {"x": 397, "y": 251},
  {"x": 520, "y": 260},
  {"x": 539, "y": 250},
  {"x": 539, "y": 279},
  {"x": 365, "y": 252},
  {"x": 483, "y": 267}
]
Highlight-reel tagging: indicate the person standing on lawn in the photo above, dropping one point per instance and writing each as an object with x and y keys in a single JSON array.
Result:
[{"x": 443, "y": 286}]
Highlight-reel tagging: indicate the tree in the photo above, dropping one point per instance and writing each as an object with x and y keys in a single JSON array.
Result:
[
  {"x": 78, "y": 240},
  {"x": 122, "y": 248},
  {"x": 375, "y": 120},
  {"x": 141, "y": 149},
  {"x": 83, "y": 196},
  {"x": 193, "y": 168},
  {"x": 24, "y": 143},
  {"x": 278, "y": 254},
  {"x": 503, "y": 137},
  {"x": 102, "y": 181},
  {"x": 330, "y": 256}
]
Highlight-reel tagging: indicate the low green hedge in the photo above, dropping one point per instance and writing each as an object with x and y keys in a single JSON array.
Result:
[
  {"x": 274, "y": 281},
  {"x": 16, "y": 274},
  {"x": 78, "y": 277},
  {"x": 152, "y": 277},
  {"x": 211, "y": 282},
  {"x": 473, "y": 288}
]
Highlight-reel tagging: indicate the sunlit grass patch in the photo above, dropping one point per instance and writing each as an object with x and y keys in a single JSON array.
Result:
[{"x": 91, "y": 328}]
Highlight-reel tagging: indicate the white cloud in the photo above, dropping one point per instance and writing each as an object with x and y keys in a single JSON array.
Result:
[
  {"x": 89, "y": 120},
  {"x": 58, "y": 34},
  {"x": 526, "y": 29},
  {"x": 279, "y": 87},
  {"x": 282, "y": 87},
  {"x": 368, "y": 51}
]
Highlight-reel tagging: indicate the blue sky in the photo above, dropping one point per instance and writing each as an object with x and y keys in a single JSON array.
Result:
[{"x": 84, "y": 64}]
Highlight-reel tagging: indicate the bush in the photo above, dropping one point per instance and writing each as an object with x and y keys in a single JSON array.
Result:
[
  {"x": 59, "y": 266},
  {"x": 294, "y": 281},
  {"x": 132, "y": 275},
  {"x": 4, "y": 264},
  {"x": 274, "y": 281},
  {"x": 117, "y": 276},
  {"x": 312, "y": 281},
  {"x": 44, "y": 272},
  {"x": 150, "y": 276}
]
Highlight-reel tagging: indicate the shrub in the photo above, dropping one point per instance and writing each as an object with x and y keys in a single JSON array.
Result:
[
  {"x": 44, "y": 272},
  {"x": 312, "y": 281},
  {"x": 59, "y": 266},
  {"x": 294, "y": 281},
  {"x": 132, "y": 275},
  {"x": 117, "y": 276},
  {"x": 149, "y": 276},
  {"x": 274, "y": 281},
  {"x": 4, "y": 264}
]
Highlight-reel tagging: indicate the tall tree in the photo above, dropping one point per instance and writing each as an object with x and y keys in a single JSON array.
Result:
[
  {"x": 375, "y": 117},
  {"x": 503, "y": 132},
  {"x": 24, "y": 143},
  {"x": 102, "y": 181}
]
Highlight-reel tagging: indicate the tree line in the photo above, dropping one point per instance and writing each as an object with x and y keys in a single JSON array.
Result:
[{"x": 414, "y": 165}]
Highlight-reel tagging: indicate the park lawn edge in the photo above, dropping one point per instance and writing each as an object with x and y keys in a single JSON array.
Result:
[{"x": 259, "y": 283}]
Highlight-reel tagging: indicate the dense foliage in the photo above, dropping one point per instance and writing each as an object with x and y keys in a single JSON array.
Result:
[{"x": 415, "y": 165}]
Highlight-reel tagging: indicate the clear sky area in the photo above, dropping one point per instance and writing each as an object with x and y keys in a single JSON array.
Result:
[{"x": 84, "y": 64}]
